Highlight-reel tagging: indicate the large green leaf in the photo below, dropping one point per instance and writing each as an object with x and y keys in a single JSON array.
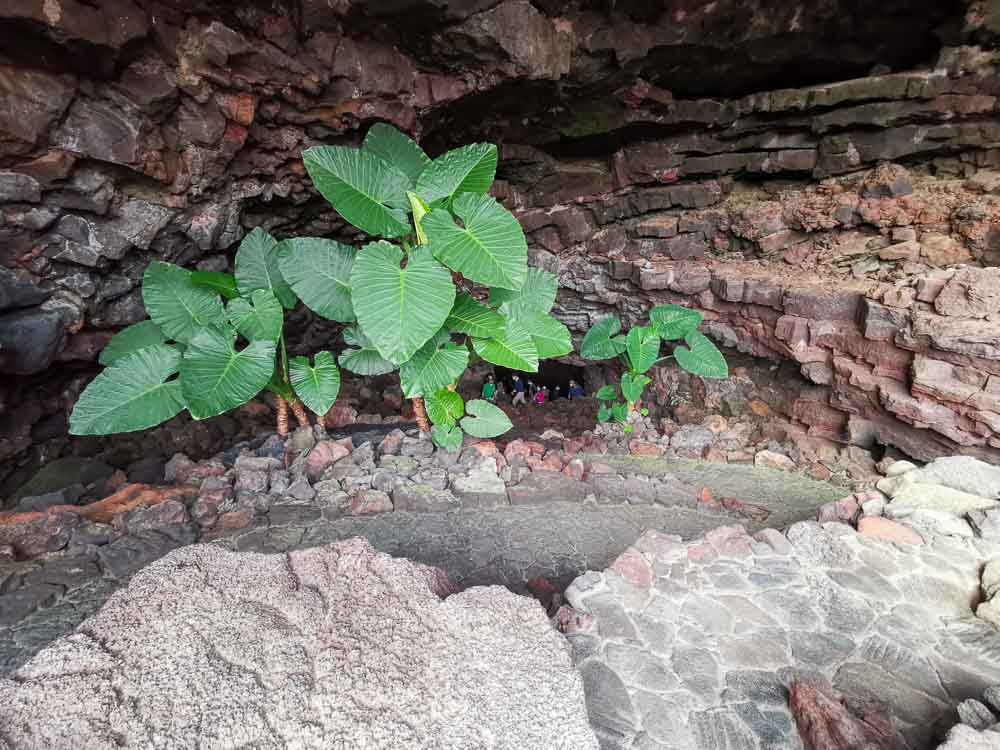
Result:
[
  {"x": 317, "y": 384},
  {"x": 474, "y": 318},
  {"x": 514, "y": 349},
  {"x": 221, "y": 283},
  {"x": 484, "y": 420},
  {"x": 396, "y": 150},
  {"x": 701, "y": 357},
  {"x": 604, "y": 413},
  {"x": 257, "y": 268},
  {"x": 642, "y": 346},
  {"x": 133, "y": 394},
  {"x": 432, "y": 367},
  {"x": 444, "y": 407},
  {"x": 260, "y": 321},
  {"x": 420, "y": 209},
  {"x": 620, "y": 412},
  {"x": 319, "y": 272},
  {"x": 215, "y": 377},
  {"x": 176, "y": 304},
  {"x": 469, "y": 169},
  {"x": 673, "y": 321},
  {"x": 399, "y": 309},
  {"x": 364, "y": 359},
  {"x": 552, "y": 338},
  {"x": 536, "y": 296},
  {"x": 607, "y": 392},
  {"x": 633, "y": 384},
  {"x": 598, "y": 342},
  {"x": 447, "y": 437},
  {"x": 360, "y": 188},
  {"x": 130, "y": 340},
  {"x": 489, "y": 248}
]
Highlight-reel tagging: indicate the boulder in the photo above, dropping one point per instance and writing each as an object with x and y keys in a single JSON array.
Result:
[
  {"x": 423, "y": 498},
  {"x": 337, "y": 645},
  {"x": 541, "y": 487},
  {"x": 480, "y": 488}
]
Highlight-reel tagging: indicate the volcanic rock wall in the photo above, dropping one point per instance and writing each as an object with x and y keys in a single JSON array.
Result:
[{"x": 653, "y": 150}]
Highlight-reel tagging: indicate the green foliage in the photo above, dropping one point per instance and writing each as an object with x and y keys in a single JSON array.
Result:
[
  {"x": 216, "y": 376},
  {"x": 362, "y": 358},
  {"x": 317, "y": 384},
  {"x": 444, "y": 407},
  {"x": 535, "y": 297},
  {"x": 130, "y": 340},
  {"x": 319, "y": 272},
  {"x": 469, "y": 169},
  {"x": 484, "y": 420},
  {"x": 433, "y": 367},
  {"x": 448, "y": 437},
  {"x": 640, "y": 350},
  {"x": 257, "y": 268},
  {"x": 222, "y": 283},
  {"x": 176, "y": 304},
  {"x": 258, "y": 319}
]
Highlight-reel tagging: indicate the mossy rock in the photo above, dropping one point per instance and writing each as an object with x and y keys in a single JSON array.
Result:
[{"x": 64, "y": 472}]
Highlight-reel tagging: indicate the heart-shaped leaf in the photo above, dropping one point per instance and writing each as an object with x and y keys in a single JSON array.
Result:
[
  {"x": 215, "y": 377},
  {"x": 420, "y": 209},
  {"x": 257, "y": 268},
  {"x": 484, "y": 420},
  {"x": 633, "y": 384},
  {"x": 364, "y": 359},
  {"x": 607, "y": 393},
  {"x": 474, "y": 318},
  {"x": 176, "y": 304},
  {"x": 319, "y": 272},
  {"x": 489, "y": 248},
  {"x": 361, "y": 188},
  {"x": 552, "y": 338},
  {"x": 701, "y": 357},
  {"x": 513, "y": 349},
  {"x": 130, "y": 340},
  {"x": 642, "y": 346},
  {"x": 444, "y": 407},
  {"x": 134, "y": 393},
  {"x": 396, "y": 150},
  {"x": 260, "y": 321},
  {"x": 317, "y": 384},
  {"x": 447, "y": 437},
  {"x": 604, "y": 413},
  {"x": 218, "y": 282},
  {"x": 673, "y": 321},
  {"x": 535, "y": 297},
  {"x": 620, "y": 412},
  {"x": 399, "y": 309},
  {"x": 432, "y": 367},
  {"x": 469, "y": 169},
  {"x": 598, "y": 342}
]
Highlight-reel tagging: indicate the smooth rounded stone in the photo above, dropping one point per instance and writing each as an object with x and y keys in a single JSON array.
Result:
[
  {"x": 975, "y": 714},
  {"x": 421, "y": 446},
  {"x": 938, "y": 522},
  {"x": 66, "y": 496},
  {"x": 963, "y": 473},
  {"x": 991, "y": 696},
  {"x": 302, "y": 440},
  {"x": 773, "y": 460},
  {"x": 470, "y": 670},
  {"x": 608, "y": 703},
  {"x": 890, "y": 531},
  {"x": 64, "y": 472},
  {"x": 897, "y": 468},
  {"x": 693, "y": 438},
  {"x": 936, "y": 497},
  {"x": 423, "y": 498}
]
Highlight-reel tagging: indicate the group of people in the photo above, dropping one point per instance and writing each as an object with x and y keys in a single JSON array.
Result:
[{"x": 523, "y": 391}]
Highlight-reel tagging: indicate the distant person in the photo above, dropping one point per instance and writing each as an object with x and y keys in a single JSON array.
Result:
[
  {"x": 519, "y": 388},
  {"x": 490, "y": 389},
  {"x": 540, "y": 397},
  {"x": 575, "y": 390},
  {"x": 556, "y": 392}
]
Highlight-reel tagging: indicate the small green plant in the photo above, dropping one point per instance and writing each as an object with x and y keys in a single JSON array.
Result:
[
  {"x": 212, "y": 343},
  {"x": 639, "y": 350}
]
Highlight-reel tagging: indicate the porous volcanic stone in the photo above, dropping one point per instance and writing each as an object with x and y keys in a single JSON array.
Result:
[{"x": 335, "y": 646}]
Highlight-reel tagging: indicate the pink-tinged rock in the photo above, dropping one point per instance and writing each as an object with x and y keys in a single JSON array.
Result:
[
  {"x": 643, "y": 448},
  {"x": 634, "y": 568},
  {"x": 204, "y": 470},
  {"x": 517, "y": 447},
  {"x": 845, "y": 510},
  {"x": 730, "y": 541},
  {"x": 826, "y": 723},
  {"x": 569, "y": 620},
  {"x": 878, "y": 527},
  {"x": 485, "y": 448},
  {"x": 747, "y": 510},
  {"x": 340, "y": 415},
  {"x": 551, "y": 462},
  {"x": 324, "y": 455},
  {"x": 971, "y": 293},
  {"x": 820, "y": 472},
  {"x": 364, "y": 502},
  {"x": 237, "y": 519},
  {"x": 575, "y": 469},
  {"x": 706, "y": 501},
  {"x": 702, "y": 552},
  {"x": 943, "y": 250},
  {"x": 391, "y": 442},
  {"x": 716, "y": 455},
  {"x": 597, "y": 467},
  {"x": 573, "y": 446},
  {"x": 772, "y": 460},
  {"x": 776, "y": 540}
]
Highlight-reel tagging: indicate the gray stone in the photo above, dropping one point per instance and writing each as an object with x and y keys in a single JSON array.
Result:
[
  {"x": 416, "y": 447},
  {"x": 976, "y": 714},
  {"x": 235, "y": 631},
  {"x": 480, "y": 488},
  {"x": 19, "y": 188},
  {"x": 541, "y": 487},
  {"x": 30, "y": 340},
  {"x": 962, "y": 737},
  {"x": 819, "y": 649},
  {"x": 698, "y": 669},
  {"x": 404, "y": 466},
  {"x": 608, "y": 702},
  {"x": 423, "y": 498}
]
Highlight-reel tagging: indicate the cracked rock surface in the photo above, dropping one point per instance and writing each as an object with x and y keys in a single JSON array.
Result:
[{"x": 336, "y": 646}]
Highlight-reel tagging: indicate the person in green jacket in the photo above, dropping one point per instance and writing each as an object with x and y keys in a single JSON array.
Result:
[{"x": 490, "y": 389}]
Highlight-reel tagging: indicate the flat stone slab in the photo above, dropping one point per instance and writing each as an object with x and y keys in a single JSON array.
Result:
[
  {"x": 692, "y": 644},
  {"x": 335, "y": 646}
]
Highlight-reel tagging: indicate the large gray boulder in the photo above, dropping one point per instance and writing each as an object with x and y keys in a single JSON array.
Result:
[{"x": 332, "y": 647}]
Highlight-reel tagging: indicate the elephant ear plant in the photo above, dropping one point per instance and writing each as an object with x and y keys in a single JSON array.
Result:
[
  {"x": 212, "y": 343},
  {"x": 639, "y": 350},
  {"x": 444, "y": 279}
]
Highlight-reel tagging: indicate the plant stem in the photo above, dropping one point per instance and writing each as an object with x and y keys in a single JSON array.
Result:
[
  {"x": 301, "y": 415},
  {"x": 282, "y": 415},
  {"x": 420, "y": 413}
]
